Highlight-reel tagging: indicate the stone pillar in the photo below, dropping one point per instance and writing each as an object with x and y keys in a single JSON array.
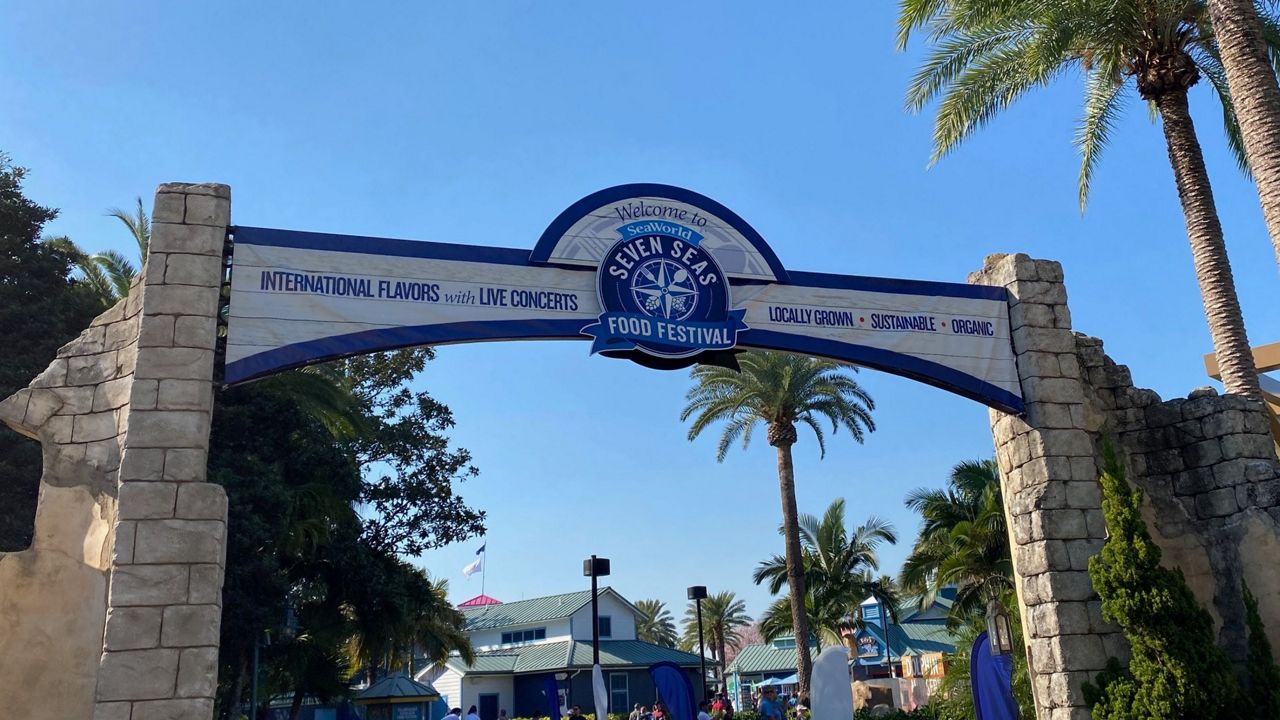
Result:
[
  {"x": 1052, "y": 498},
  {"x": 164, "y": 603}
]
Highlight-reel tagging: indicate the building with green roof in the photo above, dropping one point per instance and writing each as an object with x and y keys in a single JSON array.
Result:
[{"x": 519, "y": 645}]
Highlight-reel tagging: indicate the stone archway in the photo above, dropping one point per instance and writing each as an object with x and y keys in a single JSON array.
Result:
[{"x": 114, "y": 611}]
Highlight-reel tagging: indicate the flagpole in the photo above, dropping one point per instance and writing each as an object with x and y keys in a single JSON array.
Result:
[{"x": 484, "y": 562}]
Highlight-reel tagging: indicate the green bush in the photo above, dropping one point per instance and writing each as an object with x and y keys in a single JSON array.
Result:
[
  {"x": 1177, "y": 671},
  {"x": 1264, "y": 675},
  {"x": 925, "y": 713}
]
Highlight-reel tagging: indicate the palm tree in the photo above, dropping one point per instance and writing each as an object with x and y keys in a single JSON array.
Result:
[
  {"x": 1245, "y": 38},
  {"x": 780, "y": 390},
  {"x": 963, "y": 541},
  {"x": 988, "y": 53},
  {"x": 723, "y": 615},
  {"x": 655, "y": 623},
  {"x": 110, "y": 273},
  {"x": 839, "y": 568}
]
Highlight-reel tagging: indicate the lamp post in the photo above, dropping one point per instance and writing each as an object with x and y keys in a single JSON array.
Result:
[
  {"x": 595, "y": 567},
  {"x": 999, "y": 633},
  {"x": 696, "y": 594}
]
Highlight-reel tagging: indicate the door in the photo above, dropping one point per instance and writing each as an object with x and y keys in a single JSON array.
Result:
[{"x": 489, "y": 706}]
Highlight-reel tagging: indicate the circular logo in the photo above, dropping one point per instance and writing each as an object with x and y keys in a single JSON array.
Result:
[{"x": 663, "y": 294}]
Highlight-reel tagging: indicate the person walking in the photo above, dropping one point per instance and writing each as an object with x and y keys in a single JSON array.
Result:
[
  {"x": 472, "y": 714},
  {"x": 769, "y": 707},
  {"x": 637, "y": 713},
  {"x": 454, "y": 714},
  {"x": 702, "y": 711}
]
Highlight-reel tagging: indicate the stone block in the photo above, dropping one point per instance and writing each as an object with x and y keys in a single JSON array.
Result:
[
  {"x": 1217, "y": 503},
  {"x": 1063, "y": 524},
  {"x": 185, "y": 395},
  {"x": 1230, "y": 473},
  {"x": 206, "y": 585},
  {"x": 120, "y": 334},
  {"x": 90, "y": 341},
  {"x": 40, "y": 405},
  {"x": 1050, "y": 415},
  {"x": 142, "y": 464},
  {"x": 144, "y": 394},
  {"x": 1202, "y": 454},
  {"x": 57, "y": 429},
  {"x": 1042, "y": 339},
  {"x": 148, "y": 585},
  {"x": 1194, "y": 482},
  {"x": 1062, "y": 317},
  {"x": 1083, "y": 495},
  {"x": 181, "y": 300},
  {"x": 122, "y": 546},
  {"x": 198, "y": 672},
  {"x": 156, "y": 331},
  {"x": 1030, "y": 314},
  {"x": 1200, "y": 407},
  {"x": 170, "y": 207},
  {"x": 91, "y": 369},
  {"x": 179, "y": 541},
  {"x": 145, "y": 500},
  {"x": 202, "y": 501},
  {"x": 168, "y": 428},
  {"x": 1189, "y": 430},
  {"x": 1266, "y": 493},
  {"x": 76, "y": 400},
  {"x": 94, "y": 426},
  {"x": 1165, "y": 462},
  {"x": 1080, "y": 552},
  {"x": 1066, "y": 585},
  {"x": 1247, "y": 446},
  {"x": 1258, "y": 470},
  {"x": 195, "y": 331},
  {"x": 1256, "y": 422},
  {"x": 133, "y": 628},
  {"x": 1162, "y": 414},
  {"x": 112, "y": 710},
  {"x": 1203, "y": 391},
  {"x": 208, "y": 210},
  {"x": 1038, "y": 364},
  {"x": 193, "y": 239},
  {"x": 184, "y": 269},
  {"x": 137, "y": 675},
  {"x": 111, "y": 394},
  {"x": 176, "y": 363},
  {"x": 191, "y": 626},
  {"x": 185, "y": 464},
  {"x": 179, "y": 709},
  {"x": 1227, "y": 422},
  {"x": 1033, "y": 558},
  {"x": 1046, "y": 293},
  {"x": 1059, "y": 442}
]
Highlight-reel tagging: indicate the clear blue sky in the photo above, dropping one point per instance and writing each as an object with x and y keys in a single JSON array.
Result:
[{"x": 479, "y": 122}]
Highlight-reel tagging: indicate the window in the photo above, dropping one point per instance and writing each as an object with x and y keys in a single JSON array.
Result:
[
  {"x": 519, "y": 636},
  {"x": 785, "y": 643},
  {"x": 619, "y": 698},
  {"x": 870, "y": 612},
  {"x": 606, "y": 626}
]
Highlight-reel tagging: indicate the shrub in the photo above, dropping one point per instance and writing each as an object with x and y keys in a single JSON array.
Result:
[{"x": 1177, "y": 671}]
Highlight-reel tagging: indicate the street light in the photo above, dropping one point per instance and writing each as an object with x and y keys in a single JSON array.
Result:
[
  {"x": 595, "y": 567},
  {"x": 696, "y": 594},
  {"x": 998, "y": 632}
]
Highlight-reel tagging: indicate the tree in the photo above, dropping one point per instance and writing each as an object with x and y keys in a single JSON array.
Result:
[
  {"x": 1177, "y": 671},
  {"x": 655, "y": 624},
  {"x": 41, "y": 309},
  {"x": 1264, "y": 675},
  {"x": 963, "y": 541},
  {"x": 723, "y": 615},
  {"x": 110, "y": 273},
  {"x": 1245, "y": 40},
  {"x": 780, "y": 390},
  {"x": 839, "y": 574},
  {"x": 988, "y": 53}
]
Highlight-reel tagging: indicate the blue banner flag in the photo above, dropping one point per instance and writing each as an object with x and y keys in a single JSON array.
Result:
[
  {"x": 673, "y": 686},
  {"x": 622, "y": 330},
  {"x": 481, "y": 549},
  {"x": 992, "y": 678},
  {"x": 551, "y": 689}
]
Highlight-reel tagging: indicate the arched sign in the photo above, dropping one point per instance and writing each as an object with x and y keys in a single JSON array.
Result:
[{"x": 653, "y": 273}]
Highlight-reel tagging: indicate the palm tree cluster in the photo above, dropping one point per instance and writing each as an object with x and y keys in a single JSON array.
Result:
[
  {"x": 840, "y": 573},
  {"x": 781, "y": 391},
  {"x": 109, "y": 273},
  {"x": 724, "y": 616},
  {"x": 655, "y": 625},
  {"x": 986, "y": 54},
  {"x": 963, "y": 541}
]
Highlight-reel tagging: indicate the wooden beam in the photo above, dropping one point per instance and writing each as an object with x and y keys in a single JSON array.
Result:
[{"x": 1265, "y": 358}]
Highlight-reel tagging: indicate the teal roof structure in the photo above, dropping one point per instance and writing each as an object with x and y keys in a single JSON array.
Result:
[
  {"x": 396, "y": 688},
  {"x": 526, "y": 612},
  {"x": 568, "y": 654},
  {"x": 767, "y": 659}
]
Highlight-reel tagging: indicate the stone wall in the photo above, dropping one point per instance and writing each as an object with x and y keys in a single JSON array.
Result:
[
  {"x": 114, "y": 611},
  {"x": 1206, "y": 464}
]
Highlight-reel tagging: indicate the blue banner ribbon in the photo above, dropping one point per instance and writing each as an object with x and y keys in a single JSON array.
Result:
[
  {"x": 660, "y": 227},
  {"x": 621, "y": 331}
]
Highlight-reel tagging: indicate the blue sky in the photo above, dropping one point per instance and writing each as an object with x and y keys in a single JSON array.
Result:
[{"x": 479, "y": 122}]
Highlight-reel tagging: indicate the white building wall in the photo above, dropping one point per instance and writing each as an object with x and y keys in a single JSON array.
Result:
[
  {"x": 622, "y": 617},
  {"x": 446, "y": 681},
  {"x": 557, "y": 630},
  {"x": 476, "y": 685}
]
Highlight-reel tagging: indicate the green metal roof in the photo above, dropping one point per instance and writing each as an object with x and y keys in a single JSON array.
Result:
[
  {"x": 543, "y": 657},
  {"x": 766, "y": 659},
  {"x": 525, "y": 612},
  {"x": 394, "y": 688}
]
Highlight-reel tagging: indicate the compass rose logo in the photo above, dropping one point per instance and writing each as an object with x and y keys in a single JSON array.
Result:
[{"x": 663, "y": 294}]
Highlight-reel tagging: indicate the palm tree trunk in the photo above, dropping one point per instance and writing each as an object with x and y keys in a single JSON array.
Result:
[
  {"x": 795, "y": 566},
  {"x": 1208, "y": 249},
  {"x": 720, "y": 644},
  {"x": 1256, "y": 98}
]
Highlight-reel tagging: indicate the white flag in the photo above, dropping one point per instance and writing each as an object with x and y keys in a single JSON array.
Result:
[{"x": 473, "y": 568}]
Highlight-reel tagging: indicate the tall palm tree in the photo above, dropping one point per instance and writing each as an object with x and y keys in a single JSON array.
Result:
[
  {"x": 723, "y": 616},
  {"x": 110, "y": 273},
  {"x": 963, "y": 541},
  {"x": 655, "y": 623},
  {"x": 1245, "y": 38},
  {"x": 839, "y": 567},
  {"x": 780, "y": 390},
  {"x": 985, "y": 54}
]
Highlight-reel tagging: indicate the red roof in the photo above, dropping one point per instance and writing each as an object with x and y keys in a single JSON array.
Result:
[{"x": 480, "y": 600}]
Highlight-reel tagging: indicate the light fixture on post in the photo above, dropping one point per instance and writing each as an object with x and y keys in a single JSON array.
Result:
[
  {"x": 595, "y": 567},
  {"x": 696, "y": 594},
  {"x": 999, "y": 633}
]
